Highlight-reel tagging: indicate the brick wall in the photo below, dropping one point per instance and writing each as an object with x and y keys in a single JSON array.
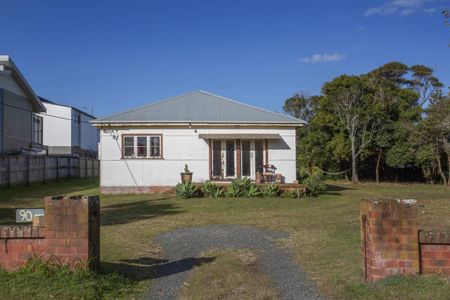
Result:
[
  {"x": 389, "y": 240},
  {"x": 19, "y": 243},
  {"x": 392, "y": 244},
  {"x": 435, "y": 251},
  {"x": 68, "y": 234}
]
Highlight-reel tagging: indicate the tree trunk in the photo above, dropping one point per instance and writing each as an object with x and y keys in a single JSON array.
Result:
[
  {"x": 354, "y": 163},
  {"x": 441, "y": 172},
  {"x": 377, "y": 168}
]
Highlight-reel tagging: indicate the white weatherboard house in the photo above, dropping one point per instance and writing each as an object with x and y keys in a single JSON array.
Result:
[{"x": 146, "y": 148}]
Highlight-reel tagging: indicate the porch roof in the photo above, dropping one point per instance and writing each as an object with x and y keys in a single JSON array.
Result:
[{"x": 242, "y": 136}]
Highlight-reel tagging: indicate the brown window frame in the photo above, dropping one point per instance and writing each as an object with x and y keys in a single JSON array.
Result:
[{"x": 148, "y": 146}]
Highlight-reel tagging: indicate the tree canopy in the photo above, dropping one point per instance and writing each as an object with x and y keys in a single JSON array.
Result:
[{"x": 388, "y": 124}]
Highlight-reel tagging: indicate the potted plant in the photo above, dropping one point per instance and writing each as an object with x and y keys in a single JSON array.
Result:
[{"x": 186, "y": 176}]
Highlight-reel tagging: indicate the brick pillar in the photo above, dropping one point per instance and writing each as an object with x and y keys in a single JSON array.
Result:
[
  {"x": 73, "y": 229},
  {"x": 389, "y": 238}
]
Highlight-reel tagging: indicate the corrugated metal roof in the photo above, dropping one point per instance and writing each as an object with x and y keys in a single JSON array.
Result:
[
  {"x": 244, "y": 136},
  {"x": 198, "y": 107}
]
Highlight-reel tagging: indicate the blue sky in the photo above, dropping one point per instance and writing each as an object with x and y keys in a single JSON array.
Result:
[{"x": 115, "y": 55}]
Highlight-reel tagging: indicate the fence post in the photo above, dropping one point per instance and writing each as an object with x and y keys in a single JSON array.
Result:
[
  {"x": 93, "y": 169},
  {"x": 57, "y": 168},
  {"x": 9, "y": 171},
  {"x": 28, "y": 170},
  {"x": 70, "y": 168},
  {"x": 44, "y": 178}
]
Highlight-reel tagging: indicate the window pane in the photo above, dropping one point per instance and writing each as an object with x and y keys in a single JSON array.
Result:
[
  {"x": 129, "y": 146},
  {"x": 129, "y": 151},
  {"x": 129, "y": 141},
  {"x": 142, "y": 146},
  {"x": 154, "y": 151},
  {"x": 155, "y": 147},
  {"x": 154, "y": 141}
]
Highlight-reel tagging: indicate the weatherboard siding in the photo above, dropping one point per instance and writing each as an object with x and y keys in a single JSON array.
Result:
[
  {"x": 17, "y": 122},
  {"x": 180, "y": 147}
]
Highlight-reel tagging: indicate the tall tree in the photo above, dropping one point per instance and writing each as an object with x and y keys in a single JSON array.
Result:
[
  {"x": 433, "y": 136},
  {"x": 299, "y": 106},
  {"x": 427, "y": 86},
  {"x": 353, "y": 103}
]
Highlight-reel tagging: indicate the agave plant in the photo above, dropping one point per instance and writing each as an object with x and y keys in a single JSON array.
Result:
[
  {"x": 254, "y": 191},
  {"x": 297, "y": 193},
  {"x": 219, "y": 192},
  {"x": 271, "y": 191},
  {"x": 212, "y": 190},
  {"x": 186, "y": 190},
  {"x": 239, "y": 187}
]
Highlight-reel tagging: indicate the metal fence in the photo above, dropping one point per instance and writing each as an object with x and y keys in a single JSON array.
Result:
[{"x": 15, "y": 170}]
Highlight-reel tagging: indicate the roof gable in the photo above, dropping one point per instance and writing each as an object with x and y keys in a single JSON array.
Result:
[
  {"x": 198, "y": 107},
  {"x": 9, "y": 66}
]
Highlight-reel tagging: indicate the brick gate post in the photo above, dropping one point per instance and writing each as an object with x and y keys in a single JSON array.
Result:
[{"x": 389, "y": 238}]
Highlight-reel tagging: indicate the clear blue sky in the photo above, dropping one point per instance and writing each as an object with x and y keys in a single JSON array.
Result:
[{"x": 115, "y": 55}]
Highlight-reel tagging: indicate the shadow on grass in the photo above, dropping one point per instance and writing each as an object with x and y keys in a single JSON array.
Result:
[
  {"x": 337, "y": 188},
  {"x": 124, "y": 213},
  {"x": 17, "y": 193},
  {"x": 334, "y": 190},
  {"x": 151, "y": 268}
]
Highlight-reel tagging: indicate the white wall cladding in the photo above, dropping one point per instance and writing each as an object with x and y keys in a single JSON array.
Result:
[
  {"x": 57, "y": 125},
  {"x": 61, "y": 129},
  {"x": 181, "y": 146}
]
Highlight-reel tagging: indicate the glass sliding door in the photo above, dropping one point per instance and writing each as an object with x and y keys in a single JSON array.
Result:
[
  {"x": 229, "y": 154},
  {"x": 246, "y": 158},
  {"x": 259, "y": 155},
  {"x": 217, "y": 160}
]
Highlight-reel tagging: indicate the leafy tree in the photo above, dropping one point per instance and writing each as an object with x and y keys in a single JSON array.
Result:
[
  {"x": 427, "y": 86},
  {"x": 353, "y": 102},
  {"x": 299, "y": 106},
  {"x": 433, "y": 137}
]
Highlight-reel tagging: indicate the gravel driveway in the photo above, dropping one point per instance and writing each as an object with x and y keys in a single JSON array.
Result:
[{"x": 182, "y": 248}]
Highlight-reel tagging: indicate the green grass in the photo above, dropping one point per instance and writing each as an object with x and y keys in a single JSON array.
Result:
[
  {"x": 324, "y": 231},
  {"x": 43, "y": 281}
]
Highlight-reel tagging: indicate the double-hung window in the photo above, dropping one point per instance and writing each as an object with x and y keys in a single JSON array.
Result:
[{"x": 141, "y": 146}]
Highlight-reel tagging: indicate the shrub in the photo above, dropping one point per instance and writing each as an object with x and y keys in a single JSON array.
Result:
[
  {"x": 313, "y": 179},
  {"x": 186, "y": 190},
  {"x": 212, "y": 190},
  {"x": 239, "y": 187},
  {"x": 254, "y": 191},
  {"x": 272, "y": 190},
  {"x": 297, "y": 193}
]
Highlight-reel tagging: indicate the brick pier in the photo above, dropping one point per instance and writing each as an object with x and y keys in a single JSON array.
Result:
[
  {"x": 392, "y": 244},
  {"x": 69, "y": 233}
]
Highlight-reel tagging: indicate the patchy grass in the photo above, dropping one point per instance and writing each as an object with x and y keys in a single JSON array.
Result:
[
  {"x": 324, "y": 231},
  {"x": 38, "y": 280},
  {"x": 231, "y": 275}
]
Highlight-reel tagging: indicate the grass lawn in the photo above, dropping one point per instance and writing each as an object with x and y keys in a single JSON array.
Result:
[{"x": 324, "y": 235}]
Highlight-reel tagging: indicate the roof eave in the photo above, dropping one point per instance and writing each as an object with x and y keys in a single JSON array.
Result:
[
  {"x": 37, "y": 104},
  {"x": 100, "y": 123}
]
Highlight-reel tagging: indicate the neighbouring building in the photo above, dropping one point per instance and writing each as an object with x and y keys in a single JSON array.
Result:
[
  {"x": 145, "y": 149},
  {"x": 67, "y": 131},
  {"x": 20, "y": 126}
]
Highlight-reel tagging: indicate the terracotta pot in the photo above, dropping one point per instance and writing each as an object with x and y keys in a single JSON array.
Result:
[{"x": 186, "y": 177}]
